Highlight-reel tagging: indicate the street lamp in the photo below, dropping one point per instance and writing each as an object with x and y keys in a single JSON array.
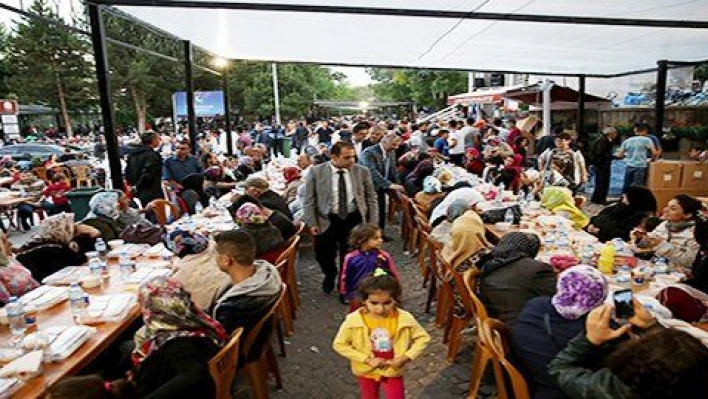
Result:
[{"x": 223, "y": 65}]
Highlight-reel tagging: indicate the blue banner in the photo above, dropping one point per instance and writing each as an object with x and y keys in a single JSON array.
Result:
[{"x": 206, "y": 103}]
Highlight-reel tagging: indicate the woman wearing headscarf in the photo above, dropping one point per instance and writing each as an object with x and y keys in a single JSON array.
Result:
[
  {"x": 292, "y": 182},
  {"x": 406, "y": 164},
  {"x": 432, "y": 190},
  {"x": 194, "y": 267},
  {"x": 442, "y": 233},
  {"x": 510, "y": 276},
  {"x": 474, "y": 163},
  {"x": 276, "y": 218},
  {"x": 616, "y": 221},
  {"x": 60, "y": 240},
  {"x": 246, "y": 166},
  {"x": 15, "y": 279},
  {"x": 559, "y": 200},
  {"x": 173, "y": 348},
  {"x": 414, "y": 181},
  {"x": 467, "y": 194},
  {"x": 467, "y": 238},
  {"x": 103, "y": 215},
  {"x": 269, "y": 240},
  {"x": 547, "y": 324}
]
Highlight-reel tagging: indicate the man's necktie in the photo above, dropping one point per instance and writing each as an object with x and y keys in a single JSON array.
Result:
[{"x": 343, "y": 210}]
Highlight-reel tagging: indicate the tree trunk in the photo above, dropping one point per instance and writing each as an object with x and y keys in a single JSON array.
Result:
[
  {"x": 62, "y": 104},
  {"x": 140, "y": 108}
]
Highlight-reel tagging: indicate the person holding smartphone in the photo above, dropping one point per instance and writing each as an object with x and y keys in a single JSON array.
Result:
[{"x": 656, "y": 362}]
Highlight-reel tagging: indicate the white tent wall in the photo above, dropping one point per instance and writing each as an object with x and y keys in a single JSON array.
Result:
[{"x": 463, "y": 44}]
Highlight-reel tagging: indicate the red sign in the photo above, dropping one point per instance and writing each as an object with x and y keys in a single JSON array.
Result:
[{"x": 9, "y": 107}]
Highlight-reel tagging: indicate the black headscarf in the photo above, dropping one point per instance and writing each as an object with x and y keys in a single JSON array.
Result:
[
  {"x": 512, "y": 247},
  {"x": 641, "y": 199}
]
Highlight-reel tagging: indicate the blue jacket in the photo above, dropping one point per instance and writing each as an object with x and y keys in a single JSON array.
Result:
[{"x": 373, "y": 158}]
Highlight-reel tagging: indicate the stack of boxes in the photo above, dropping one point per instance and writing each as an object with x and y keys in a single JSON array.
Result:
[{"x": 668, "y": 179}]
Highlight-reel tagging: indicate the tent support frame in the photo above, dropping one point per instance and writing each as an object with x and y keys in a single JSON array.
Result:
[{"x": 189, "y": 86}]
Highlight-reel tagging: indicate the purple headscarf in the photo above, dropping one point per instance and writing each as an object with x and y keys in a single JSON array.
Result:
[{"x": 579, "y": 290}]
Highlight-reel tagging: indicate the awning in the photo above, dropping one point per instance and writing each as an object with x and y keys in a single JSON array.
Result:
[
  {"x": 482, "y": 96},
  {"x": 571, "y": 37},
  {"x": 533, "y": 95}
]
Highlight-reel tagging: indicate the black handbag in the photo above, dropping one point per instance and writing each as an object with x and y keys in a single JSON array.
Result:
[{"x": 498, "y": 215}]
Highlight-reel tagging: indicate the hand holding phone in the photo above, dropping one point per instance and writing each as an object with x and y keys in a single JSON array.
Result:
[{"x": 624, "y": 305}]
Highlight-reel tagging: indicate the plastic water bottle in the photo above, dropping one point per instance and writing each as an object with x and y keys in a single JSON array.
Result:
[
  {"x": 95, "y": 267},
  {"x": 126, "y": 267},
  {"x": 198, "y": 208},
  {"x": 76, "y": 300},
  {"x": 16, "y": 316},
  {"x": 213, "y": 203},
  {"x": 100, "y": 246},
  {"x": 530, "y": 197},
  {"x": 661, "y": 266},
  {"x": 509, "y": 216}
]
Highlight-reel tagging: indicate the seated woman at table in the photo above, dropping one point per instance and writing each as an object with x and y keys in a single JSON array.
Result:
[
  {"x": 276, "y": 218},
  {"x": 246, "y": 166},
  {"x": 58, "y": 243},
  {"x": 510, "y": 276},
  {"x": 293, "y": 181},
  {"x": 467, "y": 194},
  {"x": 216, "y": 183},
  {"x": 559, "y": 200},
  {"x": 442, "y": 233},
  {"x": 15, "y": 279},
  {"x": 674, "y": 238},
  {"x": 415, "y": 179},
  {"x": 546, "y": 325},
  {"x": 616, "y": 221},
  {"x": 699, "y": 271},
  {"x": 432, "y": 190},
  {"x": 128, "y": 215},
  {"x": 56, "y": 191},
  {"x": 33, "y": 188},
  {"x": 269, "y": 241},
  {"x": 467, "y": 238},
  {"x": 103, "y": 215},
  {"x": 658, "y": 363}
]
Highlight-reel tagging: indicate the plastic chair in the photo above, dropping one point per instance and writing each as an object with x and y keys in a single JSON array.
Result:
[
  {"x": 223, "y": 365},
  {"x": 82, "y": 176},
  {"x": 496, "y": 338},
  {"x": 257, "y": 370},
  {"x": 284, "y": 315},
  {"x": 429, "y": 268},
  {"x": 483, "y": 353},
  {"x": 160, "y": 206},
  {"x": 289, "y": 275}
]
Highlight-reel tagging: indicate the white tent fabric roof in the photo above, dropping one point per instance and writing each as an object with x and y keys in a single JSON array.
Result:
[{"x": 446, "y": 43}]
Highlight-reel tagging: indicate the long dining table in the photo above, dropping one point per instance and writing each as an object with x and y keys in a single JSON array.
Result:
[{"x": 60, "y": 315}]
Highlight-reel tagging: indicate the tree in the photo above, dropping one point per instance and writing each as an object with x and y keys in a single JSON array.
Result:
[
  {"x": 50, "y": 64},
  {"x": 424, "y": 88},
  {"x": 701, "y": 73},
  {"x": 4, "y": 65}
]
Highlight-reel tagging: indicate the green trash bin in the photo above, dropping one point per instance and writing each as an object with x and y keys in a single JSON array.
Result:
[
  {"x": 79, "y": 199},
  {"x": 286, "y": 147}
]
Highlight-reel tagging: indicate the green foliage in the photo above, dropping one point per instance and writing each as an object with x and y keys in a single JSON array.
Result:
[
  {"x": 424, "y": 88},
  {"x": 4, "y": 65},
  {"x": 49, "y": 65},
  {"x": 701, "y": 73}
]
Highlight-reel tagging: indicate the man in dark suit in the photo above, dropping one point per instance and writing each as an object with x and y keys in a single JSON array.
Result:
[
  {"x": 375, "y": 135},
  {"x": 339, "y": 194},
  {"x": 381, "y": 161}
]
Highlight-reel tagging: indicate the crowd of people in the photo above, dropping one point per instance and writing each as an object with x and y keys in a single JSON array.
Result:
[{"x": 338, "y": 188}]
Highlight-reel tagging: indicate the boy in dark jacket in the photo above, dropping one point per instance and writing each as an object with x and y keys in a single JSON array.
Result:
[{"x": 144, "y": 169}]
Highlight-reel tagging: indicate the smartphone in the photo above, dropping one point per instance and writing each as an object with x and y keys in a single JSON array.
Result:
[{"x": 624, "y": 307}]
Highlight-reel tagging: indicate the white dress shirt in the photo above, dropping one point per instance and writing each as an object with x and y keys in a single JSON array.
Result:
[
  {"x": 351, "y": 204},
  {"x": 357, "y": 147}
]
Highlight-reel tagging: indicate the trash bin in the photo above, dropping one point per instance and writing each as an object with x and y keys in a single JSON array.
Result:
[
  {"x": 286, "y": 147},
  {"x": 79, "y": 199}
]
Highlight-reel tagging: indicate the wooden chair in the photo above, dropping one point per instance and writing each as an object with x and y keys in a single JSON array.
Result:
[
  {"x": 224, "y": 364},
  {"x": 82, "y": 176},
  {"x": 160, "y": 206},
  {"x": 290, "y": 275},
  {"x": 427, "y": 261},
  {"x": 496, "y": 336},
  {"x": 257, "y": 370},
  {"x": 409, "y": 216},
  {"x": 483, "y": 353}
]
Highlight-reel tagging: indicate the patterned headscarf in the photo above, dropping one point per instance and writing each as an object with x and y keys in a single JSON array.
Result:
[
  {"x": 431, "y": 185},
  {"x": 246, "y": 160},
  {"x": 250, "y": 213},
  {"x": 169, "y": 313},
  {"x": 56, "y": 229},
  {"x": 104, "y": 204},
  {"x": 512, "y": 247},
  {"x": 579, "y": 290},
  {"x": 291, "y": 173},
  {"x": 445, "y": 176},
  {"x": 183, "y": 243}
]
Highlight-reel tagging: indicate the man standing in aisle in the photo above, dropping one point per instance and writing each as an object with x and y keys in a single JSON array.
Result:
[
  {"x": 602, "y": 155},
  {"x": 381, "y": 161},
  {"x": 143, "y": 169},
  {"x": 339, "y": 195},
  {"x": 456, "y": 141},
  {"x": 637, "y": 152}
]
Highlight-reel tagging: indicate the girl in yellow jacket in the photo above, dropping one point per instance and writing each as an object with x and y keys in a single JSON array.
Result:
[{"x": 379, "y": 338}]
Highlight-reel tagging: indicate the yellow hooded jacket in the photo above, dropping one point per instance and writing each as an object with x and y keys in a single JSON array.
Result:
[{"x": 353, "y": 342}]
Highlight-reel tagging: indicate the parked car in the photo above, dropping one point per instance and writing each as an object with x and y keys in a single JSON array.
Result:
[{"x": 29, "y": 151}]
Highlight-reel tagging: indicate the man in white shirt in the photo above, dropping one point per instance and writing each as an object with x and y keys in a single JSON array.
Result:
[{"x": 456, "y": 142}]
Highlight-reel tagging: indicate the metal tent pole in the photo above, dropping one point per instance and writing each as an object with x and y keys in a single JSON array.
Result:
[
  {"x": 227, "y": 115},
  {"x": 189, "y": 82},
  {"x": 276, "y": 94},
  {"x": 660, "y": 106},
  {"x": 98, "y": 34},
  {"x": 582, "y": 134}
]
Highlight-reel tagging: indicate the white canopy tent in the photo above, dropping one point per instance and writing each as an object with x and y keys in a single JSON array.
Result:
[{"x": 567, "y": 37}]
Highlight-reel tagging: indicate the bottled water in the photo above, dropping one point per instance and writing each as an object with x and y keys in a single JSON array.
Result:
[
  {"x": 530, "y": 197},
  {"x": 95, "y": 267},
  {"x": 126, "y": 266},
  {"x": 16, "y": 316},
  {"x": 100, "y": 246},
  {"x": 213, "y": 203},
  {"x": 76, "y": 300},
  {"x": 660, "y": 265},
  {"x": 509, "y": 216},
  {"x": 198, "y": 208}
]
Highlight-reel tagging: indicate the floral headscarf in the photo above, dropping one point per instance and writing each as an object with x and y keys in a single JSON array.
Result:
[
  {"x": 246, "y": 160},
  {"x": 291, "y": 174},
  {"x": 169, "y": 313},
  {"x": 104, "y": 204},
  {"x": 250, "y": 213},
  {"x": 56, "y": 229},
  {"x": 431, "y": 185},
  {"x": 183, "y": 243},
  {"x": 579, "y": 290}
]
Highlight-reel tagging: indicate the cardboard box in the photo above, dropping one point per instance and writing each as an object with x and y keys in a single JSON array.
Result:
[
  {"x": 664, "y": 174},
  {"x": 695, "y": 175},
  {"x": 664, "y": 195}
]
